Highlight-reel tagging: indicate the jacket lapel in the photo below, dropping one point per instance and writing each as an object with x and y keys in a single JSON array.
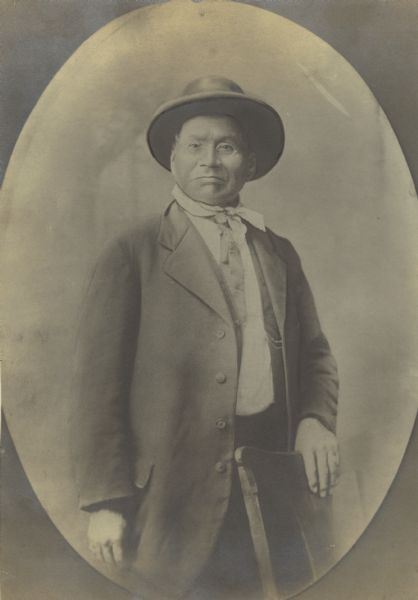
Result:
[
  {"x": 275, "y": 273},
  {"x": 190, "y": 262}
]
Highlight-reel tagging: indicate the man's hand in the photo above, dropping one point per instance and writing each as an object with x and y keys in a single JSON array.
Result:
[
  {"x": 319, "y": 448},
  {"x": 105, "y": 533}
]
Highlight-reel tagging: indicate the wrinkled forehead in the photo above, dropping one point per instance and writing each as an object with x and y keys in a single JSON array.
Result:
[{"x": 209, "y": 126}]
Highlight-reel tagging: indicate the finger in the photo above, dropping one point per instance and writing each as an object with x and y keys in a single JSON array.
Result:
[
  {"x": 95, "y": 550},
  {"x": 310, "y": 470},
  {"x": 332, "y": 461},
  {"x": 117, "y": 552},
  {"x": 333, "y": 450},
  {"x": 107, "y": 555},
  {"x": 322, "y": 471}
]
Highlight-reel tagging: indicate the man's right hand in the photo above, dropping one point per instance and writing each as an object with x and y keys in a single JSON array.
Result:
[{"x": 105, "y": 534}]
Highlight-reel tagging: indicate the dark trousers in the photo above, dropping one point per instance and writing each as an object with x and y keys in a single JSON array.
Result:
[{"x": 231, "y": 573}]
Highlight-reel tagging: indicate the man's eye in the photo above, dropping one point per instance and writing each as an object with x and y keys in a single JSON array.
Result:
[
  {"x": 193, "y": 146},
  {"x": 226, "y": 148}
]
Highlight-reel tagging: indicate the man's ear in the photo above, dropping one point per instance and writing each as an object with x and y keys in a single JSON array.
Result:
[
  {"x": 252, "y": 166},
  {"x": 173, "y": 152},
  {"x": 172, "y": 157}
]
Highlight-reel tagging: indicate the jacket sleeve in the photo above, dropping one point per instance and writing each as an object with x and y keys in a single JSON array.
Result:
[
  {"x": 102, "y": 449},
  {"x": 318, "y": 377}
]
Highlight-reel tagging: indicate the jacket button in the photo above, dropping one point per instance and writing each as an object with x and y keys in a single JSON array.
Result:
[
  {"x": 221, "y": 424},
  {"x": 220, "y": 377},
  {"x": 220, "y": 467},
  {"x": 220, "y": 334}
]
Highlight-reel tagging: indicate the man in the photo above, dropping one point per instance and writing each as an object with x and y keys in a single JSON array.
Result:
[{"x": 200, "y": 335}]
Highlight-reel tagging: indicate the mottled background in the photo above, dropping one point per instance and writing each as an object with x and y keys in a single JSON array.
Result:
[{"x": 367, "y": 306}]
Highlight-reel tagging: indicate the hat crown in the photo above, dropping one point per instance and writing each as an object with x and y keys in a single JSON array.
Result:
[{"x": 212, "y": 83}]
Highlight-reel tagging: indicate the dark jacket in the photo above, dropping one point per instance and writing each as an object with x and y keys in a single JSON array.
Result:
[{"x": 158, "y": 368}]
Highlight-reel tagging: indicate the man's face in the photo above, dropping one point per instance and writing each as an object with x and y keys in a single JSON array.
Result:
[{"x": 211, "y": 161}]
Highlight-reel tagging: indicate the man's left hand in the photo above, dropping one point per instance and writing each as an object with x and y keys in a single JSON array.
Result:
[{"x": 319, "y": 448}]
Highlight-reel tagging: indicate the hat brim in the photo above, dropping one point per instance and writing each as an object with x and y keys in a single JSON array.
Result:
[{"x": 260, "y": 122}]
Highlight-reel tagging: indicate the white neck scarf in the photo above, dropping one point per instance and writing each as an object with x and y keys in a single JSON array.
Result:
[{"x": 230, "y": 214}]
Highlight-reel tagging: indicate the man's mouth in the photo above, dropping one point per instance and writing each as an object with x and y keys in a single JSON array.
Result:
[{"x": 210, "y": 178}]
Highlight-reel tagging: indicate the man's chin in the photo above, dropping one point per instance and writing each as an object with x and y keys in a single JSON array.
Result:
[
  {"x": 214, "y": 200},
  {"x": 210, "y": 194}
]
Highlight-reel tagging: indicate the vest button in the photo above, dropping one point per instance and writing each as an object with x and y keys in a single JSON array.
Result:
[
  {"x": 221, "y": 424},
  {"x": 220, "y": 467},
  {"x": 220, "y": 377},
  {"x": 220, "y": 333}
]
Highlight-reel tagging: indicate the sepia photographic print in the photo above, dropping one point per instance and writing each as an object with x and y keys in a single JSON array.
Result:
[{"x": 209, "y": 304}]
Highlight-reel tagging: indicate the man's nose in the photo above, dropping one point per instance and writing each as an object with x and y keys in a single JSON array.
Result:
[{"x": 209, "y": 156}]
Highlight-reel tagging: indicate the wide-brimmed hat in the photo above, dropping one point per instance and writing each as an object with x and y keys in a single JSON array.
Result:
[{"x": 214, "y": 95}]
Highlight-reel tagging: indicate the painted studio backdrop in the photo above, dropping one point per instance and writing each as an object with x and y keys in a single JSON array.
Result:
[{"x": 81, "y": 173}]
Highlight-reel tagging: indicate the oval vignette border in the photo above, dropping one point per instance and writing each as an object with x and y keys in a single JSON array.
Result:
[{"x": 35, "y": 332}]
